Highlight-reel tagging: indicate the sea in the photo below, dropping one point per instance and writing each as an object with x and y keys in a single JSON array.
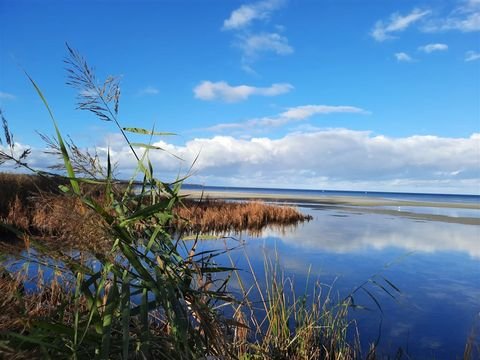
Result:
[
  {"x": 405, "y": 196},
  {"x": 415, "y": 280},
  {"x": 423, "y": 273}
]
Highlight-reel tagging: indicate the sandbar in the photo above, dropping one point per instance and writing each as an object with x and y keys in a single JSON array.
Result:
[{"x": 348, "y": 203}]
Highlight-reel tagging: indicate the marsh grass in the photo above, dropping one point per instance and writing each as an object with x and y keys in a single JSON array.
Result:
[
  {"x": 217, "y": 216},
  {"x": 34, "y": 204},
  {"x": 142, "y": 283},
  {"x": 285, "y": 323},
  {"x": 23, "y": 186}
]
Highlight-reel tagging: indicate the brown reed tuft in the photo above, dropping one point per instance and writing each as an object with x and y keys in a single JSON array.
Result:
[
  {"x": 32, "y": 204},
  {"x": 217, "y": 216}
]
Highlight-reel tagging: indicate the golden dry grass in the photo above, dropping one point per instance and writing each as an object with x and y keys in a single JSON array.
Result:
[
  {"x": 32, "y": 204},
  {"x": 23, "y": 186},
  {"x": 217, "y": 216}
]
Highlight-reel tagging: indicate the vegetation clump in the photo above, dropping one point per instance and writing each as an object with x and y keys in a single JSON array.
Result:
[
  {"x": 35, "y": 204},
  {"x": 217, "y": 216}
]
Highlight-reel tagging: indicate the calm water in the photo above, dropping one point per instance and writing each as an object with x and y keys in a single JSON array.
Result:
[
  {"x": 474, "y": 198},
  {"x": 436, "y": 265}
]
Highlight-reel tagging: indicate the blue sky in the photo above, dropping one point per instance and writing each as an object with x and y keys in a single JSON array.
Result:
[{"x": 363, "y": 95}]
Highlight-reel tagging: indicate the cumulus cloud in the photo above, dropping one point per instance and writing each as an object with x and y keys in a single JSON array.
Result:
[
  {"x": 293, "y": 114},
  {"x": 384, "y": 30},
  {"x": 403, "y": 57},
  {"x": 221, "y": 90},
  {"x": 331, "y": 158},
  {"x": 246, "y": 14},
  {"x": 326, "y": 158},
  {"x": 429, "y": 48},
  {"x": 472, "y": 56},
  {"x": 6, "y": 96},
  {"x": 149, "y": 90}
]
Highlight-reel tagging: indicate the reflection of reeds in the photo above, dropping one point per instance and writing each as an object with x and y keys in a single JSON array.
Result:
[
  {"x": 20, "y": 306},
  {"x": 472, "y": 346}
]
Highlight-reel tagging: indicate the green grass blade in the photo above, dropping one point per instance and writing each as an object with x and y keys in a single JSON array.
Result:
[
  {"x": 77, "y": 309},
  {"x": 148, "y": 146},
  {"x": 108, "y": 316},
  {"x": 145, "y": 335},
  {"x": 125, "y": 314},
  {"x": 154, "y": 147},
  {"x": 66, "y": 158}
]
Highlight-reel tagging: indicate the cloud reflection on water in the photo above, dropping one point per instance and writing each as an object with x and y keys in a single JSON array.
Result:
[{"x": 332, "y": 231}]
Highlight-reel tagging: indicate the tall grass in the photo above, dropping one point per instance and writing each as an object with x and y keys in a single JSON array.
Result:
[
  {"x": 217, "y": 216},
  {"x": 35, "y": 204},
  {"x": 116, "y": 294},
  {"x": 22, "y": 186},
  {"x": 286, "y": 323}
]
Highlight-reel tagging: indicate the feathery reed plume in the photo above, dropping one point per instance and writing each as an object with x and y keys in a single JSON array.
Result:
[{"x": 8, "y": 139}]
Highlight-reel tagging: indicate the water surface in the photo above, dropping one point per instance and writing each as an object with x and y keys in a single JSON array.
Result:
[{"x": 436, "y": 265}]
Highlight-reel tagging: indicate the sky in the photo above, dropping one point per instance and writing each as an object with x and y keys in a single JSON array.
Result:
[{"x": 371, "y": 95}]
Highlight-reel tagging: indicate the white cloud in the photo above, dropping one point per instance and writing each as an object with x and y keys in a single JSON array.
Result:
[
  {"x": 331, "y": 158},
  {"x": 403, "y": 57},
  {"x": 467, "y": 23},
  {"x": 255, "y": 44},
  {"x": 429, "y": 48},
  {"x": 252, "y": 42},
  {"x": 424, "y": 236},
  {"x": 7, "y": 96},
  {"x": 38, "y": 159},
  {"x": 306, "y": 111},
  {"x": 245, "y": 14},
  {"x": 464, "y": 18},
  {"x": 383, "y": 30},
  {"x": 221, "y": 90},
  {"x": 328, "y": 158},
  {"x": 472, "y": 56},
  {"x": 293, "y": 114},
  {"x": 149, "y": 90}
]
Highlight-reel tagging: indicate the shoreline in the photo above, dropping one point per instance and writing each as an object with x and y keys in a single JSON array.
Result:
[{"x": 347, "y": 203}]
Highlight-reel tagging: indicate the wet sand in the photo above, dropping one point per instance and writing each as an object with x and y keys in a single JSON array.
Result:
[{"x": 349, "y": 204}]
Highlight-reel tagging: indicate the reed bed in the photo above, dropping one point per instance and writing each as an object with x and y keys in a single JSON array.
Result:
[
  {"x": 216, "y": 216},
  {"x": 286, "y": 325},
  {"x": 33, "y": 204},
  {"x": 22, "y": 186}
]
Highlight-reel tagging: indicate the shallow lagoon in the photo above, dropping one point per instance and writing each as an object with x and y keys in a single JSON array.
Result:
[{"x": 436, "y": 265}]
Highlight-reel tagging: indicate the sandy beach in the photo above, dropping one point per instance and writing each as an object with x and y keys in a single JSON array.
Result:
[{"x": 349, "y": 203}]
